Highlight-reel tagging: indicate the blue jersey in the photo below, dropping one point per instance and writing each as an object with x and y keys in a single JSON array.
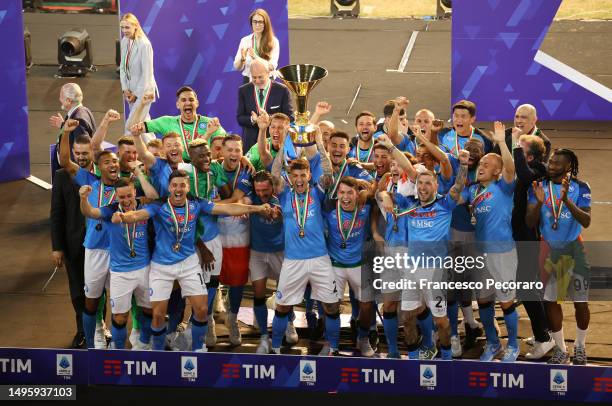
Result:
[
  {"x": 428, "y": 226},
  {"x": 239, "y": 180},
  {"x": 396, "y": 230},
  {"x": 450, "y": 140},
  {"x": 96, "y": 234},
  {"x": 365, "y": 155},
  {"x": 267, "y": 235},
  {"x": 492, "y": 208},
  {"x": 312, "y": 245},
  {"x": 316, "y": 171},
  {"x": 351, "y": 254},
  {"x": 462, "y": 219},
  {"x": 160, "y": 176},
  {"x": 165, "y": 230},
  {"x": 354, "y": 170},
  {"x": 120, "y": 259},
  {"x": 568, "y": 229},
  {"x": 406, "y": 145}
]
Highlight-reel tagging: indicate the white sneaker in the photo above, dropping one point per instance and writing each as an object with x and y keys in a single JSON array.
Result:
[
  {"x": 140, "y": 346},
  {"x": 539, "y": 349},
  {"x": 265, "y": 345},
  {"x": 456, "y": 346},
  {"x": 231, "y": 322},
  {"x": 290, "y": 334},
  {"x": 99, "y": 338},
  {"x": 276, "y": 351},
  {"x": 363, "y": 344},
  {"x": 211, "y": 334},
  {"x": 203, "y": 349},
  {"x": 326, "y": 349},
  {"x": 218, "y": 304},
  {"x": 134, "y": 336},
  {"x": 530, "y": 340}
]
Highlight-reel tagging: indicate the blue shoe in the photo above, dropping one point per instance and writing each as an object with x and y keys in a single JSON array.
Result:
[
  {"x": 447, "y": 355},
  {"x": 511, "y": 354},
  {"x": 491, "y": 351},
  {"x": 413, "y": 354},
  {"x": 396, "y": 355}
]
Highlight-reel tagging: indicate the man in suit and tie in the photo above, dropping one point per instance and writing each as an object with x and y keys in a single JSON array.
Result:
[
  {"x": 71, "y": 100},
  {"x": 262, "y": 94}
]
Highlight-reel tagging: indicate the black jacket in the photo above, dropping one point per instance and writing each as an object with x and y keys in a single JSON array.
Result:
[
  {"x": 67, "y": 222},
  {"x": 526, "y": 173},
  {"x": 538, "y": 133},
  {"x": 87, "y": 125}
]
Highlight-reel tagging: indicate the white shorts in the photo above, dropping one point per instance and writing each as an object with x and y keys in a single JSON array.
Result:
[
  {"x": 265, "y": 265},
  {"x": 297, "y": 273},
  {"x": 363, "y": 291},
  {"x": 501, "y": 267},
  {"x": 124, "y": 284},
  {"x": 576, "y": 290},
  {"x": 216, "y": 248},
  {"x": 97, "y": 271},
  {"x": 435, "y": 300},
  {"x": 188, "y": 273}
]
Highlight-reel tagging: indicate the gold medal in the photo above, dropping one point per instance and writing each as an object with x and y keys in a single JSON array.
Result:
[
  {"x": 555, "y": 225},
  {"x": 301, "y": 234},
  {"x": 176, "y": 247},
  {"x": 133, "y": 254},
  {"x": 98, "y": 226},
  {"x": 343, "y": 245}
]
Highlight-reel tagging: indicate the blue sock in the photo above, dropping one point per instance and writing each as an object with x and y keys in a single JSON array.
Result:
[
  {"x": 447, "y": 353},
  {"x": 332, "y": 330},
  {"x": 235, "y": 297},
  {"x": 279, "y": 325},
  {"x": 119, "y": 333},
  {"x": 354, "y": 305},
  {"x": 320, "y": 309},
  {"x": 413, "y": 351},
  {"x": 198, "y": 332},
  {"x": 511, "y": 319},
  {"x": 390, "y": 324},
  {"x": 487, "y": 316},
  {"x": 426, "y": 325},
  {"x": 452, "y": 311},
  {"x": 309, "y": 301},
  {"x": 261, "y": 315},
  {"x": 212, "y": 292},
  {"x": 159, "y": 337},
  {"x": 145, "y": 328},
  {"x": 89, "y": 327}
]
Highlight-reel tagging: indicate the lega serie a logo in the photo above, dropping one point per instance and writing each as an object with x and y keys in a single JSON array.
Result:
[
  {"x": 64, "y": 365},
  {"x": 189, "y": 367}
]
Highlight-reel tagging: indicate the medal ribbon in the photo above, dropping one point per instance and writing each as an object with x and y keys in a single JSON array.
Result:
[
  {"x": 235, "y": 181},
  {"x": 130, "y": 238},
  {"x": 126, "y": 61},
  {"x": 101, "y": 202},
  {"x": 196, "y": 183},
  {"x": 477, "y": 196},
  {"x": 262, "y": 106},
  {"x": 254, "y": 45},
  {"x": 337, "y": 180},
  {"x": 346, "y": 236},
  {"x": 192, "y": 136},
  {"x": 181, "y": 234},
  {"x": 455, "y": 150},
  {"x": 556, "y": 205},
  {"x": 301, "y": 213}
]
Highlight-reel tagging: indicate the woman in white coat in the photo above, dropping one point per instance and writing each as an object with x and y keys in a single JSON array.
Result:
[
  {"x": 261, "y": 44},
  {"x": 136, "y": 70}
]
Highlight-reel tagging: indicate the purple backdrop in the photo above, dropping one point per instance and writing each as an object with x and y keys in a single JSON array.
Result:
[
  {"x": 194, "y": 42},
  {"x": 14, "y": 146},
  {"x": 494, "y": 44}
]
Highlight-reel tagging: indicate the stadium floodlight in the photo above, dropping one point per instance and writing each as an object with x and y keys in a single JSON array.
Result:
[
  {"x": 345, "y": 8},
  {"x": 74, "y": 54}
]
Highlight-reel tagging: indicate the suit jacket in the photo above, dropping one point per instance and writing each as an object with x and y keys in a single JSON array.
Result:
[
  {"x": 140, "y": 65},
  {"x": 539, "y": 133},
  {"x": 279, "y": 101},
  {"x": 87, "y": 125},
  {"x": 67, "y": 222}
]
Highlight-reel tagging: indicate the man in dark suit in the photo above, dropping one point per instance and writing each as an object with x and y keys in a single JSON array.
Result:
[
  {"x": 68, "y": 231},
  {"x": 71, "y": 100},
  {"x": 261, "y": 94},
  {"x": 525, "y": 119}
]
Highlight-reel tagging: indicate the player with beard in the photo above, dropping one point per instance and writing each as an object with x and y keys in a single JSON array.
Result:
[
  {"x": 397, "y": 128},
  {"x": 338, "y": 147},
  {"x": 174, "y": 258},
  {"x": 562, "y": 204},
  {"x": 129, "y": 263},
  {"x": 491, "y": 213},
  {"x": 306, "y": 257},
  {"x": 263, "y": 152},
  {"x": 453, "y": 139},
  {"x": 96, "y": 238},
  {"x": 363, "y": 145},
  {"x": 462, "y": 245},
  {"x": 189, "y": 125}
]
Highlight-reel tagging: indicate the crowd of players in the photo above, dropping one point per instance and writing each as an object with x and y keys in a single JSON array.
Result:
[{"x": 173, "y": 216}]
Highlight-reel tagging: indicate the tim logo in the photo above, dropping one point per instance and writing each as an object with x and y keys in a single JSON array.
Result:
[
  {"x": 558, "y": 380},
  {"x": 138, "y": 368},
  {"x": 249, "y": 371},
  {"x": 602, "y": 384},
  {"x": 16, "y": 365},
  {"x": 496, "y": 380},
  {"x": 64, "y": 364},
  {"x": 308, "y": 371},
  {"x": 189, "y": 367},
  {"x": 428, "y": 376},
  {"x": 367, "y": 375}
]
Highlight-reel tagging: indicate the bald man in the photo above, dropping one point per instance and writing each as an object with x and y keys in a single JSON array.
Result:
[
  {"x": 525, "y": 119},
  {"x": 262, "y": 94}
]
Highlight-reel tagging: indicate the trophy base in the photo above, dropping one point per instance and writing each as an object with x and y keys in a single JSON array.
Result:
[{"x": 303, "y": 135}]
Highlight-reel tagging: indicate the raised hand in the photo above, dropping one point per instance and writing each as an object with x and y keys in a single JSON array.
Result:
[
  {"x": 56, "y": 120},
  {"x": 117, "y": 217},
  {"x": 263, "y": 120},
  {"x": 251, "y": 53},
  {"x": 111, "y": 115},
  {"x": 148, "y": 98},
  {"x": 244, "y": 52},
  {"x": 437, "y": 125},
  {"x": 84, "y": 191},
  {"x": 401, "y": 103},
  {"x": 212, "y": 126},
  {"x": 323, "y": 108},
  {"x": 137, "y": 129},
  {"x": 70, "y": 125},
  {"x": 538, "y": 191},
  {"x": 464, "y": 156},
  {"x": 385, "y": 141},
  {"x": 244, "y": 161},
  {"x": 134, "y": 165},
  {"x": 565, "y": 187},
  {"x": 499, "y": 132},
  {"x": 253, "y": 117}
]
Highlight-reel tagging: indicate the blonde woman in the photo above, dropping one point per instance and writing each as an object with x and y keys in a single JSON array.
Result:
[
  {"x": 260, "y": 44},
  {"x": 136, "y": 68}
]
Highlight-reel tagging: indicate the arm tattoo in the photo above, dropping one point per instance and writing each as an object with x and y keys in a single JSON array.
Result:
[
  {"x": 326, "y": 165},
  {"x": 459, "y": 181}
]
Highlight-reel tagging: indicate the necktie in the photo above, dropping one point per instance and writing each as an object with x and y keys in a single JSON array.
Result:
[{"x": 261, "y": 96}]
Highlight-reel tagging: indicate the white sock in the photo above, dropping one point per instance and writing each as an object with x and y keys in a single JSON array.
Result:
[
  {"x": 468, "y": 316},
  {"x": 580, "y": 337},
  {"x": 559, "y": 340}
]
